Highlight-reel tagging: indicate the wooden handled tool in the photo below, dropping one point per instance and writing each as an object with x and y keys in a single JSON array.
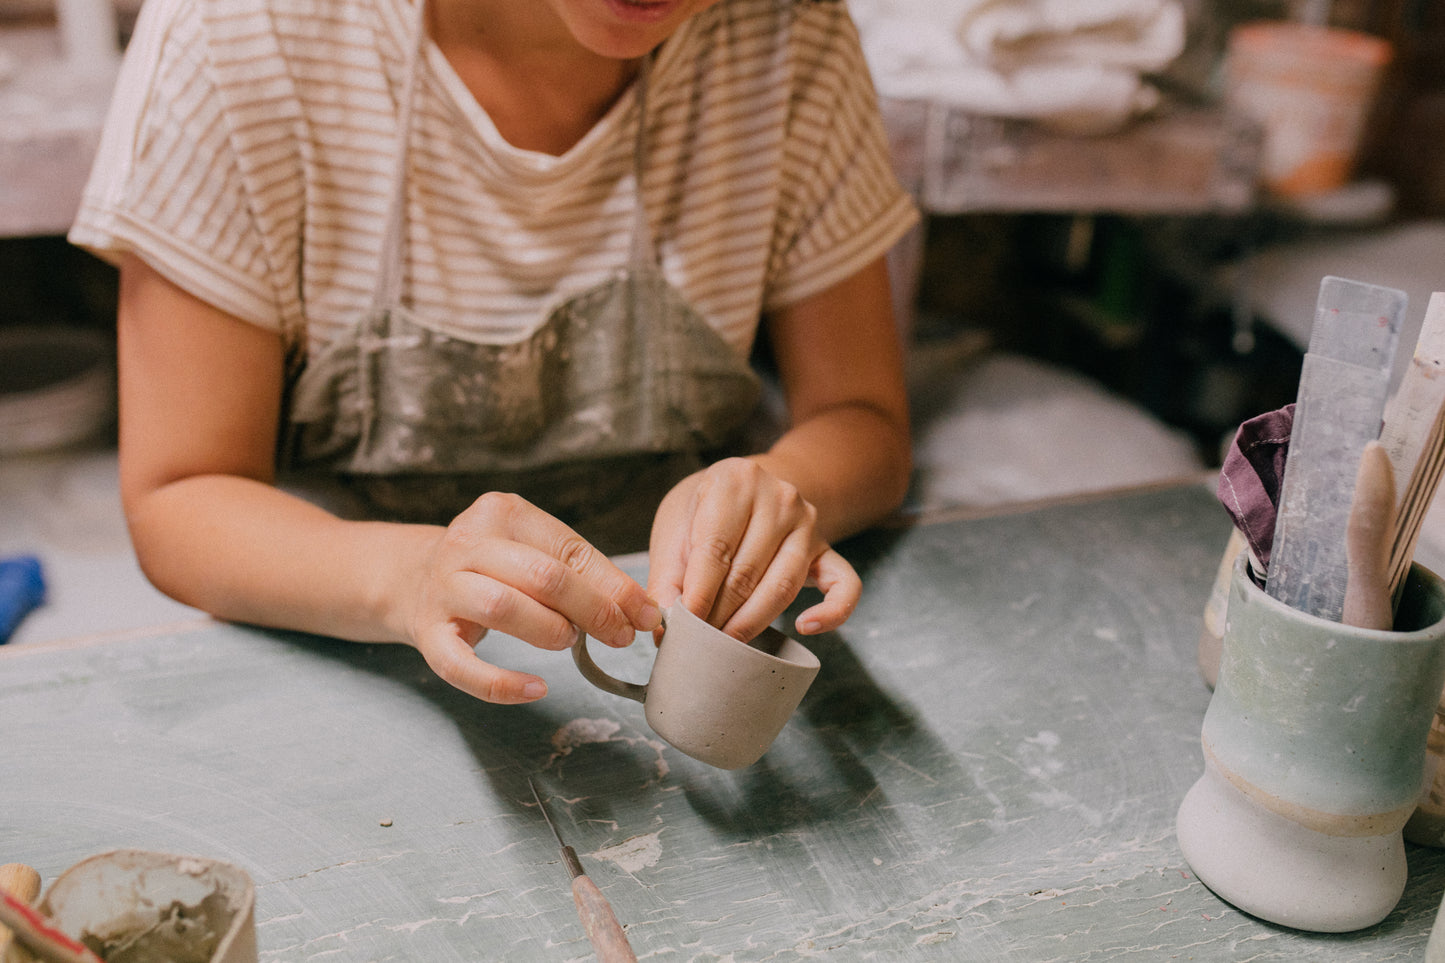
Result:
[
  {"x": 1414, "y": 434},
  {"x": 598, "y": 920},
  {"x": 27, "y": 927},
  {"x": 1368, "y": 598},
  {"x": 23, "y": 883}
]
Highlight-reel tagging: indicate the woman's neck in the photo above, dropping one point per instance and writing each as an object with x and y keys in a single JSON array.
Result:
[{"x": 542, "y": 89}]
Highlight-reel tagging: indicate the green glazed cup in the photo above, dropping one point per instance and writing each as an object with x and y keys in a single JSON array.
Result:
[{"x": 1314, "y": 758}]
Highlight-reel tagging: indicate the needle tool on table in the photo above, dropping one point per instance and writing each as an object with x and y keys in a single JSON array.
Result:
[{"x": 598, "y": 920}]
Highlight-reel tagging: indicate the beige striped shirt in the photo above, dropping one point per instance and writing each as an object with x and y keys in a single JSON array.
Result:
[{"x": 251, "y": 149}]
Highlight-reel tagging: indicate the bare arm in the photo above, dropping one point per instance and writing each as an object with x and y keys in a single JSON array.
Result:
[
  {"x": 738, "y": 540},
  {"x": 199, "y": 398},
  {"x": 849, "y": 451},
  {"x": 199, "y": 403}
]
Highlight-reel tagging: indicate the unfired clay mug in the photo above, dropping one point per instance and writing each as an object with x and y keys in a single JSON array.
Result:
[{"x": 717, "y": 699}]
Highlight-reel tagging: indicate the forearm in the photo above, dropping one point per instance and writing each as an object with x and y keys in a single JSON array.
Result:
[
  {"x": 245, "y": 551},
  {"x": 852, "y": 462},
  {"x": 849, "y": 452}
]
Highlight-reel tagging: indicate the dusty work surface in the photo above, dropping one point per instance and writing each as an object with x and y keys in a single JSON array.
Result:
[{"x": 987, "y": 769}]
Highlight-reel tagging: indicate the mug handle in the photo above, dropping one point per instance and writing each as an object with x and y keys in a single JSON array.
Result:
[{"x": 603, "y": 681}]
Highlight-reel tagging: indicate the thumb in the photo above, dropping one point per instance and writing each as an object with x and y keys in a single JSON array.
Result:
[
  {"x": 455, "y": 663},
  {"x": 841, "y": 588}
]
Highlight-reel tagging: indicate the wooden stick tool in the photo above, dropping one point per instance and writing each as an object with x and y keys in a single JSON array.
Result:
[
  {"x": 26, "y": 926},
  {"x": 1414, "y": 436},
  {"x": 23, "y": 883},
  {"x": 598, "y": 920}
]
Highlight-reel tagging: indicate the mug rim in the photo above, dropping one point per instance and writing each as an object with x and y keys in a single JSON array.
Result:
[
  {"x": 1262, "y": 597},
  {"x": 810, "y": 659}
]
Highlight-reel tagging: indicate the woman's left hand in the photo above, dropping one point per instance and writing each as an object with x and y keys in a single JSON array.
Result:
[{"x": 737, "y": 544}]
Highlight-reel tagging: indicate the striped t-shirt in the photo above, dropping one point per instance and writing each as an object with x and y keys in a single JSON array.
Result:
[{"x": 250, "y": 157}]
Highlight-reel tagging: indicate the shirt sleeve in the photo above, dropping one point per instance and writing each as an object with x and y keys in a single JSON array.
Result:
[
  {"x": 842, "y": 204},
  {"x": 166, "y": 183}
]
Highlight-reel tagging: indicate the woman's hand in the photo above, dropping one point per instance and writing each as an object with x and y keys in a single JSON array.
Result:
[
  {"x": 737, "y": 544},
  {"x": 738, "y": 540},
  {"x": 505, "y": 564}
]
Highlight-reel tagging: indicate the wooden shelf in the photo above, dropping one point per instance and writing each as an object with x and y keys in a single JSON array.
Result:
[
  {"x": 51, "y": 114},
  {"x": 1179, "y": 161}
]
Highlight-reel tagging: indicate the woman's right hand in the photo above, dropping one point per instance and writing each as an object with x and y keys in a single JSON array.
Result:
[
  {"x": 505, "y": 564},
  {"x": 200, "y": 398}
]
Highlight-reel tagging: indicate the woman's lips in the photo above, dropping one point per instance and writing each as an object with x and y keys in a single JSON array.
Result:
[{"x": 642, "y": 11}]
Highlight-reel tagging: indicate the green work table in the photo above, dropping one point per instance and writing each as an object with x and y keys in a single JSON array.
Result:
[{"x": 987, "y": 768}]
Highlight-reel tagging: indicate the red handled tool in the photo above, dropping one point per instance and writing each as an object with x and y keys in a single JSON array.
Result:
[{"x": 598, "y": 920}]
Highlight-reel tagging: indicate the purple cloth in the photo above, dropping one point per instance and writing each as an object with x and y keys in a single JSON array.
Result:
[{"x": 1253, "y": 471}]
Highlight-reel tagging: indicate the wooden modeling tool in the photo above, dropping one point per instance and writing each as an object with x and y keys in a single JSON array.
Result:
[
  {"x": 598, "y": 920},
  {"x": 1368, "y": 602},
  {"x": 1414, "y": 435},
  {"x": 19, "y": 885},
  {"x": 23, "y": 883}
]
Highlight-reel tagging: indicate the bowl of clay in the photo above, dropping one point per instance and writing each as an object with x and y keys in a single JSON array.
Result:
[
  {"x": 57, "y": 387},
  {"x": 136, "y": 906}
]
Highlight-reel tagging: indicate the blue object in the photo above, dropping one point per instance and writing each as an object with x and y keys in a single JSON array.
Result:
[{"x": 22, "y": 588}]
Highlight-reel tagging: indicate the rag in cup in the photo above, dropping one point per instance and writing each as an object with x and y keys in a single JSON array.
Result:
[{"x": 1252, "y": 475}]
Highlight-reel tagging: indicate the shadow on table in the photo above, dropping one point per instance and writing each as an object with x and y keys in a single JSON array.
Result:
[
  {"x": 816, "y": 771},
  {"x": 597, "y": 752}
]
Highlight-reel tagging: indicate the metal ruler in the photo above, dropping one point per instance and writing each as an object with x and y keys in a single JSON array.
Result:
[{"x": 1341, "y": 403}]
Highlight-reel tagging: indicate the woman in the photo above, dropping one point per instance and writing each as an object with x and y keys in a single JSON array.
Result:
[{"x": 511, "y": 256}]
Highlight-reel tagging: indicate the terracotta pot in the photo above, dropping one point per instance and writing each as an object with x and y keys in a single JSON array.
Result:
[{"x": 1311, "y": 89}]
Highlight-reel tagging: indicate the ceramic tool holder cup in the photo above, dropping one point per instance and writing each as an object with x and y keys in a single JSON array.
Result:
[
  {"x": 157, "y": 906},
  {"x": 717, "y": 699},
  {"x": 1314, "y": 758}
]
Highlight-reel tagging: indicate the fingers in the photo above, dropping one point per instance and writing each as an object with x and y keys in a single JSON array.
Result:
[
  {"x": 841, "y": 588},
  {"x": 719, "y": 576},
  {"x": 494, "y": 602},
  {"x": 668, "y": 545},
  {"x": 535, "y": 597},
  {"x": 504, "y": 564},
  {"x": 752, "y": 595},
  {"x": 536, "y": 576},
  {"x": 455, "y": 662},
  {"x": 738, "y": 545}
]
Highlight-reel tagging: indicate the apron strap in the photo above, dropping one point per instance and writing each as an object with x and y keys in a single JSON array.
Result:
[
  {"x": 389, "y": 277},
  {"x": 643, "y": 250}
]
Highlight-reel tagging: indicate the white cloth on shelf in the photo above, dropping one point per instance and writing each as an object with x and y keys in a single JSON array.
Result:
[
  {"x": 994, "y": 428},
  {"x": 1069, "y": 63}
]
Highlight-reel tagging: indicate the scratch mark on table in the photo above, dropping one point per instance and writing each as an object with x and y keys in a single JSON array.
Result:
[
  {"x": 467, "y": 899},
  {"x": 913, "y": 769},
  {"x": 343, "y": 864},
  {"x": 581, "y": 732},
  {"x": 634, "y": 853}
]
